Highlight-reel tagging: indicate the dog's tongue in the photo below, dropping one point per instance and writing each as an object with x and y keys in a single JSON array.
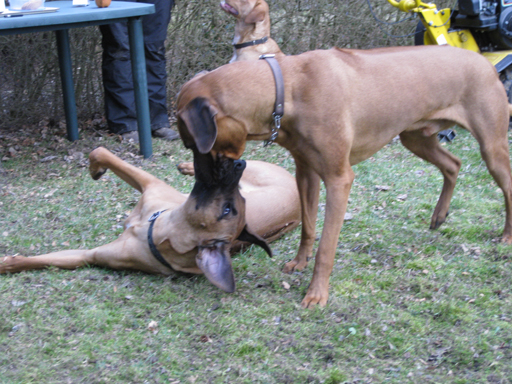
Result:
[
  {"x": 216, "y": 266},
  {"x": 228, "y": 8}
]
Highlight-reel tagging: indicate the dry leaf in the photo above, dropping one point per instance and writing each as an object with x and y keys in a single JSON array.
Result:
[
  {"x": 286, "y": 285},
  {"x": 206, "y": 339},
  {"x": 153, "y": 326}
]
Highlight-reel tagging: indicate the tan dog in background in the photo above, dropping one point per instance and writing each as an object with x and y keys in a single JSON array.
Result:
[
  {"x": 252, "y": 25},
  {"x": 196, "y": 232},
  {"x": 342, "y": 106}
]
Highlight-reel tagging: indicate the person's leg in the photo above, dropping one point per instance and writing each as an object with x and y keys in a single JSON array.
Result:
[
  {"x": 155, "y": 32},
  {"x": 117, "y": 74},
  {"x": 117, "y": 79}
]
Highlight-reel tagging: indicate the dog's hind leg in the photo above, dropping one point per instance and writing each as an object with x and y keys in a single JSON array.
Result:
[
  {"x": 102, "y": 159},
  {"x": 121, "y": 254},
  {"x": 429, "y": 149},
  {"x": 70, "y": 259},
  {"x": 496, "y": 156},
  {"x": 489, "y": 126}
]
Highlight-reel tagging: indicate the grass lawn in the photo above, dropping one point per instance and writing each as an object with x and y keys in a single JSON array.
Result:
[{"x": 407, "y": 304}]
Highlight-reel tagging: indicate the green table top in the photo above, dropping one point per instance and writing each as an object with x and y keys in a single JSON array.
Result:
[{"x": 68, "y": 16}]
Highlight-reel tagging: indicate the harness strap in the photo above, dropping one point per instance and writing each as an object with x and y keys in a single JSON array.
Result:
[
  {"x": 251, "y": 43},
  {"x": 279, "y": 104},
  {"x": 152, "y": 246}
]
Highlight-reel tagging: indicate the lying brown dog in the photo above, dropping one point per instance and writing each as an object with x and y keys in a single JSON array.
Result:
[
  {"x": 252, "y": 29},
  {"x": 340, "y": 107},
  {"x": 193, "y": 234}
]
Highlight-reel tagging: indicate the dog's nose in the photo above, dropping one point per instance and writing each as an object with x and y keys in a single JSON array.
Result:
[{"x": 240, "y": 165}]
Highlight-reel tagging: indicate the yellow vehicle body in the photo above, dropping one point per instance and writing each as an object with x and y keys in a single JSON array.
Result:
[{"x": 437, "y": 24}]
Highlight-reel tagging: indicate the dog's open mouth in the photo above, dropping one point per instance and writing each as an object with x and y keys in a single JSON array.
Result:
[{"x": 228, "y": 8}]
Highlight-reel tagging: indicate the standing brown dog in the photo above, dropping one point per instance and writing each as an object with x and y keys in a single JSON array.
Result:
[
  {"x": 192, "y": 234},
  {"x": 342, "y": 106},
  {"x": 252, "y": 29}
]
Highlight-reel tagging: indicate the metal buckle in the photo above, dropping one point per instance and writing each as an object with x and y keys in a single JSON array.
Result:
[
  {"x": 267, "y": 56},
  {"x": 275, "y": 130},
  {"x": 155, "y": 216}
]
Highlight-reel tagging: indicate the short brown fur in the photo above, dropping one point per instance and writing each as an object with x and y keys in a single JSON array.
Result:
[
  {"x": 341, "y": 106},
  {"x": 271, "y": 206},
  {"x": 252, "y": 23}
]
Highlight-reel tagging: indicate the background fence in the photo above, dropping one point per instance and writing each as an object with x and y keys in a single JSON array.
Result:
[{"x": 199, "y": 39}]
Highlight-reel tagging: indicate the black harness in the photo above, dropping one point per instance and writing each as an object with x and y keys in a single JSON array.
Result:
[{"x": 151, "y": 243}]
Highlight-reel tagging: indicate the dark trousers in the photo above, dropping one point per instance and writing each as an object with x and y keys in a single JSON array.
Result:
[{"x": 117, "y": 70}]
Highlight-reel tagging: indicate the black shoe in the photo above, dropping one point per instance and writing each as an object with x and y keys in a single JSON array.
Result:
[{"x": 166, "y": 134}]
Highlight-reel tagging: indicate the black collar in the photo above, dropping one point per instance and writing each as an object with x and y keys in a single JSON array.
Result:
[
  {"x": 152, "y": 246},
  {"x": 251, "y": 43}
]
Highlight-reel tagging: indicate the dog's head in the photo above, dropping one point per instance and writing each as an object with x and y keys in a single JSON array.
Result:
[
  {"x": 214, "y": 218},
  {"x": 248, "y": 11},
  {"x": 198, "y": 122}
]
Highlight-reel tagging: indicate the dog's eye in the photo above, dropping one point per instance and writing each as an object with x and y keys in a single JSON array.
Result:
[{"x": 226, "y": 210}]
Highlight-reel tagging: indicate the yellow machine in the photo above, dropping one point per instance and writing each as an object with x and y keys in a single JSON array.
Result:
[{"x": 478, "y": 25}]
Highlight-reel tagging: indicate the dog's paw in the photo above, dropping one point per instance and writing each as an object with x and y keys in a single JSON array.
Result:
[
  {"x": 438, "y": 220},
  {"x": 7, "y": 263},
  {"x": 186, "y": 168},
  {"x": 295, "y": 265},
  {"x": 314, "y": 297},
  {"x": 97, "y": 173},
  {"x": 506, "y": 239}
]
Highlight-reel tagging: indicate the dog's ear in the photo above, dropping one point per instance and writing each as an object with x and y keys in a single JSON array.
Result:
[
  {"x": 216, "y": 266},
  {"x": 257, "y": 14},
  {"x": 248, "y": 236},
  {"x": 199, "y": 118}
]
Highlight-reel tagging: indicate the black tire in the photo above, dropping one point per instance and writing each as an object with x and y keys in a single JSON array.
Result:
[
  {"x": 419, "y": 34},
  {"x": 506, "y": 79}
]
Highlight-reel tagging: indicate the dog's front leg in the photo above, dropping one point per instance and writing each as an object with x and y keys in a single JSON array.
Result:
[
  {"x": 308, "y": 183},
  {"x": 337, "y": 192}
]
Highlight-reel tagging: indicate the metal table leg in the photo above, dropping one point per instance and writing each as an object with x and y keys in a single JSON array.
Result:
[
  {"x": 140, "y": 84},
  {"x": 68, "y": 89}
]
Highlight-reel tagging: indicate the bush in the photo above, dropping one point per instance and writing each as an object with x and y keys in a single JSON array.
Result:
[{"x": 199, "y": 39}]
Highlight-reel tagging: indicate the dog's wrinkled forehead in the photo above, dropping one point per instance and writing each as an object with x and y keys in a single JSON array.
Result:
[{"x": 215, "y": 176}]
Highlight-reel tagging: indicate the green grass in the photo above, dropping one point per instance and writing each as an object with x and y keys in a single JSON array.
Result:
[{"x": 406, "y": 304}]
